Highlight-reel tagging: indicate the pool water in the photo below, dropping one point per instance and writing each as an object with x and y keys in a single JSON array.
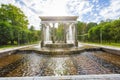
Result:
[{"x": 34, "y": 64}]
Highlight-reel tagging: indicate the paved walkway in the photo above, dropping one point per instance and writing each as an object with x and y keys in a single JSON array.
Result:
[{"x": 74, "y": 77}]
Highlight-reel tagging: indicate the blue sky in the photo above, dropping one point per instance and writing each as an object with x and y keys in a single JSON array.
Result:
[{"x": 87, "y": 10}]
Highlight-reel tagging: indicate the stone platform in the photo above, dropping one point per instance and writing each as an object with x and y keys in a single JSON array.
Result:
[
  {"x": 59, "y": 45},
  {"x": 59, "y": 51}
]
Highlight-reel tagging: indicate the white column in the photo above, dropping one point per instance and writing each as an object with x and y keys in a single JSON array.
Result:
[
  {"x": 76, "y": 42},
  {"x": 67, "y": 33},
  {"x": 53, "y": 33},
  {"x": 42, "y": 35},
  {"x": 44, "y": 31},
  {"x": 47, "y": 33},
  {"x": 70, "y": 33},
  {"x": 73, "y": 32}
]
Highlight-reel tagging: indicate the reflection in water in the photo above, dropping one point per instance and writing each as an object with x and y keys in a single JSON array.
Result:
[{"x": 33, "y": 64}]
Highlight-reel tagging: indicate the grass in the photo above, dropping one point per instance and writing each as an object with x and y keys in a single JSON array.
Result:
[
  {"x": 13, "y": 46},
  {"x": 106, "y": 44},
  {"x": 103, "y": 44},
  {"x": 7, "y": 46}
]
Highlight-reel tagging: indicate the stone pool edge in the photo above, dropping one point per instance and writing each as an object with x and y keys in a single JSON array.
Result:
[
  {"x": 109, "y": 49},
  {"x": 5, "y": 52},
  {"x": 73, "y": 77}
]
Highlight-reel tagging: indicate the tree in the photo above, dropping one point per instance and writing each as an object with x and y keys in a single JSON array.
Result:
[
  {"x": 115, "y": 30},
  {"x": 13, "y": 26},
  {"x": 60, "y": 32},
  {"x": 5, "y": 33},
  {"x": 15, "y": 17},
  {"x": 90, "y": 25},
  {"x": 105, "y": 30},
  {"x": 93, "y": 34},
  {"x": 108, "y": 31},
  {"x": 34, "y": 35},
  {"x": 81, "y": 30},
  {"x": 32, "y": 28}
]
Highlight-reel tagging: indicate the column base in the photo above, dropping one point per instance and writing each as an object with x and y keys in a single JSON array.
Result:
[
  {"x": 42, "y": 44},
  {"x": 76, "y": 43}
]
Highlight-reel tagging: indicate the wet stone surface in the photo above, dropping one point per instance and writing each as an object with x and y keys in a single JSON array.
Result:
[{"x": 33, "y": 64}]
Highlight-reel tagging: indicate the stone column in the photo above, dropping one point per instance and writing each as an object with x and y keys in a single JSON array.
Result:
[
  {"x": 49, "y": 33},
  {"x": 64, "y": 33},
  {"x": 42, "y": 35},
  {"x": 76, "y": 42},
  {"x": 67, "y": 33},
  {"x": 44, "y": 30},
  {"x": 70, "y": 32},
  {"x": 53, "y": 33},
  {"x": 73, "y": 32}
]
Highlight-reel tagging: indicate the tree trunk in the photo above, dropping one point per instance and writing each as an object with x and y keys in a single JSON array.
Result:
[{"x": 12, "y": 42}]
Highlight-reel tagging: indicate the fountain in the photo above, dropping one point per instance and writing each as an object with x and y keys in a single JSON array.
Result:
[
  {"x": 58, "y": 34},
  {"x": 59, "y": 37},
  {"x": 66, "y": 30}
]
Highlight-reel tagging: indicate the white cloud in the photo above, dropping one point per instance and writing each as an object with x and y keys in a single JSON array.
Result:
[
  {"x": 35, "y": 8},
  {"x": 112, "y": 11},
  {"x": 95, "y": 1},
  {"x": 79, "y": 7},
  {"x": 32, "y": 17},
  {"x": 7, "y": 1},
  {"x": 56, "y": 8}
]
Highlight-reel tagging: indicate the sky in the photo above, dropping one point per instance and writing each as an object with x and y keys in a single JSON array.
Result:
[{"x": 87, "y": 10}]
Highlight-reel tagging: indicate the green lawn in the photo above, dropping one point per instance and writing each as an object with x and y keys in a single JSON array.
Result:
[
  {"x": 7, "y": 46},
  {"x": 13, "y": 46},
  {"x": 106, "y": 44}
]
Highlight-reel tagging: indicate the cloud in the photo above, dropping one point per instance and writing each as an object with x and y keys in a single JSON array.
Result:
[
  {"x": 75, "y": 6},
  {"x": 7, "y": 1},
  {"x": 79, "y": 7},
  {"x": 112, "y": 11},
  {"x": 87, "y": 10},
  {"x": 35, "y": 8}
]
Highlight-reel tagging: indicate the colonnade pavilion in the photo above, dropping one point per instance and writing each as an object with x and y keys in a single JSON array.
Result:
[{"x": 58, "y": 30}]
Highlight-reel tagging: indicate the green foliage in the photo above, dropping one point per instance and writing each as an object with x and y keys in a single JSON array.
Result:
[
  {"x": 13, "y": 15},
  {"x": 32, "y": 28},
  {"x": 83, "y": 29},
  {"x": 60, "y": 32},
  {"x": 107, "y": 31},
  {"x": 94, "y": 34},
  {"x": 90, "y": 25},
  {"x": 115, "y": 30},
  {"x": 5, "y": 32},
  {"x": 81, "y": 26},
  {"x": 13, "y": 26}
]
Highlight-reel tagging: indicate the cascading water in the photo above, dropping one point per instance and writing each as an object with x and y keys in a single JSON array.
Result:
[
  {"x": 47, "y": 34},
  {"x": 70, "y": 34}
]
